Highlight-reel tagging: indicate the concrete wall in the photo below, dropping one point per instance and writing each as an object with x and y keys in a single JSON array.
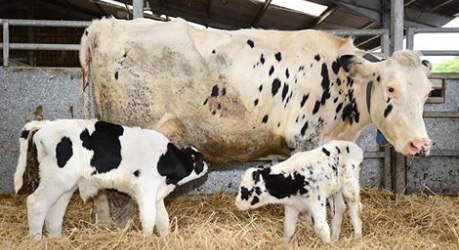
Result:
[{"x": 57, "y": 90}]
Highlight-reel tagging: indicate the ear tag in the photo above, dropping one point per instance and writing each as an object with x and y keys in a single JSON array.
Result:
[{"x": 380, "y": 139}]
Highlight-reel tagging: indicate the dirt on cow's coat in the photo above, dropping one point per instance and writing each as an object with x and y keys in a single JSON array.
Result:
[{"x": 213, "y": 222}]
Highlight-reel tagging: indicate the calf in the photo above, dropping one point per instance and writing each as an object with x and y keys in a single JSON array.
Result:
[
  {"x": 90, "y": 155},
  {"x": 304, "y": 182}
]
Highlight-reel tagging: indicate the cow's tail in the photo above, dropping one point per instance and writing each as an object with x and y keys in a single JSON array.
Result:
[
  {"x": 85, "y": 61},
  {"x": 24, "y": 141}
]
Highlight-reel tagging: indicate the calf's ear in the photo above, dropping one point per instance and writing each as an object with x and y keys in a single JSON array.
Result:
[{"x": 427, "y": 67}]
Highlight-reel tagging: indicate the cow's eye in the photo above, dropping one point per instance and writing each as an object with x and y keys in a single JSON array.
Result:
[{"x": 391, "y": 90}]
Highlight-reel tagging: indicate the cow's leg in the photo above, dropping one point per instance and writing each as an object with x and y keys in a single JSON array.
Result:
[
  {"x": 120, "y": 207},
  {"x": 351, "y": 193},
  {"x": 55, "y": 215},
  {"x": 290, "y": 220},
  {"x": 319, "y": 214},
  {"x": 162, "y": 219},
  {"x": 38, "y": 205},
  {"x": 337, "y": 207}
]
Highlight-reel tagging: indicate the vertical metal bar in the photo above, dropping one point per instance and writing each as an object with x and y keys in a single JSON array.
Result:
[
  {"x": 410, "y": 38},
  {"x": 396, "y": 24},
  {"x": 386, "y": 174},
  {"x": 137, "y": 6},
  {"x": 398, "y": 172},
  {"x": 385, "y": 44},
  {"x": 6, "y": 43}
]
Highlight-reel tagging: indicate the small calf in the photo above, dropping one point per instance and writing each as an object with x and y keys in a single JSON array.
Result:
[
  {"x": 90, "y": 155},
  {"x": 303, "y": 182}
]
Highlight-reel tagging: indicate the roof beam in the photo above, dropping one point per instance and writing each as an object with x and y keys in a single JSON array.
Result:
[
  {"x": 260, "y": 14},
  {"x": 367, "y": 8}
]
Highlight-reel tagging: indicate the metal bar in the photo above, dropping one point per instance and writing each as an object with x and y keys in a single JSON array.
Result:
[
  {"x": 261, "y": 13},
  {"x": 410, "y": 38},
  {"x": 440, "y": 52},
  {"x": 373, "y": 154},
  {"x": 444, "y": 152},
  {"x": 386, "y": 174},
  {"x": 6, "y": 41},
  {"x": 435, "y": 30},
  {"x": 441, "y": 114},
  {"x": 369, "y": 32},
  {"x": 398, "y": 172},
  {"x": 396, "y": 24},
  {"x": 46, "y": 23},
  {"x": 38, "y": 46},
  {"x": 137, "y": 6}
]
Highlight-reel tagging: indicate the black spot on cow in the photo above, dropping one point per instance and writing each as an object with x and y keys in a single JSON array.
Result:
[
  {"x": 262, "y": 59},
  {"x": 271, "y": 70},
  {"x": 301, "y": 68},
  {"x": 278, "y": 56},
  {"x": 338, "y": 150},
  {"x": 284, "y": 185},
  {"x": 388, "y": 100},
  {"x": 86, "y": 33},
  {"x": 326, "y": 152},
  {"x": 223, "y": 91},
  {"x": 336, "y": 66},
  {"x": 257, "y": 190},
  {"x": 251, "y": 43},
  {"x": 105, "y": 143},
  {"x": 316, "y": 107},
  {"x": 265, "y": 119},
  {"x": 275, "y": 86},
  {"x": 255, "y": 102},
  {"x": 317, "y": 57},
  {"x": 284, "y": 91},
  {"x": 116, "y": 75},
  {"x": 137, "y": 173},
  {"x": 177, "y": 164},
  {"x": 347, "y": 149},
  {"x": 425, "y": 63},
  {"x": 214, "y": 91},
  {"x": 325, "y": 79},
  {"x": 256, "y": 176},
  {"x": 351, "y": 111},
  {"x": 214, "y": 112},
  {"x": 338, "y": 108},
  {"x": 219, "y": 105},
  {"x": 387, "y": 110},
  {"x": 287, "y": 74},
  {"x": 304, "y": 128},
  {"x": 245, "y": 193},
  {"x": 205, "y": 101},
  {"x": 335, "y": 100},
  {"x": 25, "y": 134},
  {"x": 303, "y": 101},
  {"x": 378, "y": 78},
  {"x": 255, "y": 200},
  {"x": 338, "y": 82},
  {"x": 213, "y": 51},
  {"x": 64, "y": 151}
]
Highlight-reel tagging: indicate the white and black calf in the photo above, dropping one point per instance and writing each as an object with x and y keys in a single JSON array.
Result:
[
  {"x": 90, "y": 155},
  {"x": 304, "y": 182}
]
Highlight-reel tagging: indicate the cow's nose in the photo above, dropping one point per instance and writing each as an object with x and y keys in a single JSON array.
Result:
[{"x": 417, "y": 148}]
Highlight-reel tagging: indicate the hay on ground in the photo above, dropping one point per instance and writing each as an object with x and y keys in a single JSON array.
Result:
[{"x": 213, "y": 222}]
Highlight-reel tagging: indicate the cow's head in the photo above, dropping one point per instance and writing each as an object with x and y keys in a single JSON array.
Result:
[
  {"x": 399, "y": 89},
  {"x": 252, "y": 191}
]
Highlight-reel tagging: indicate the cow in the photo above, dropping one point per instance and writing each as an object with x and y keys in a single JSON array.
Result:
[
  {"x": 89, "y": 155},
  {"x": 245, "y": 94},
  {"x": 304, "y": 182}
]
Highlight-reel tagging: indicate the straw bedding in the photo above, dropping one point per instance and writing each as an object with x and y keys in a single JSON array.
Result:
[{"x": 212, "y": 222}]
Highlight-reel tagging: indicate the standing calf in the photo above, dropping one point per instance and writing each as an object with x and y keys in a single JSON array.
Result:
[
  {"x": 89, "y": 155},
  {"x": 304, "y": 182}
]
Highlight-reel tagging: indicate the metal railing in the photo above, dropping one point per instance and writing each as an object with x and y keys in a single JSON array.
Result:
[
  {"x": 410, "y": 32},
  {"x": 6, "y": 45}
]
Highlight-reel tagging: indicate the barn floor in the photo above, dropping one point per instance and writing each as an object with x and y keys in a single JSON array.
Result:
[{"x": 212, "y": 222}]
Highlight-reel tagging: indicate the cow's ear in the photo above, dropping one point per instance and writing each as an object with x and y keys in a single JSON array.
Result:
[
  {"x": 350, "y": 63},
  {"x": 427, "y": 67}
]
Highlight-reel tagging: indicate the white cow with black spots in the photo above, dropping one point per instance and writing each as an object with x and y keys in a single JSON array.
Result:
[
  {"x": 304, "y": 182},
  {"x": 90, "y": 155}
]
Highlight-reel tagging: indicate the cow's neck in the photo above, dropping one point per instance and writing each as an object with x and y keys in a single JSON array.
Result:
[{"x": 350, "y": 127}]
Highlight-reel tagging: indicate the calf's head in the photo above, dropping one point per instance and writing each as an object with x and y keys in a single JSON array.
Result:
[
  {"x": 399, "y": 89},
  {"x": 252, "y": 191},
  {"x": 180, "y": 166}
]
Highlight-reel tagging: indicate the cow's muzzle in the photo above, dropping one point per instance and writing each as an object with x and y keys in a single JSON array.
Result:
[{"x": 417, "y": 148}]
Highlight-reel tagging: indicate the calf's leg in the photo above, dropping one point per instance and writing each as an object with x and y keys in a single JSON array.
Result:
[
  {"x": 352, "y": 195},
  {"x": 338, "y": 212},
  {"x": 319, "y": 214},
  {"x": 291, "y": 217},
  {"x": 162, "y": 219},
  {"x": 55, "y": 215}
]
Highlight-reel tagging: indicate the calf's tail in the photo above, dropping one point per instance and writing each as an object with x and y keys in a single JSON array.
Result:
[{"x": 24, "y": 140}]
